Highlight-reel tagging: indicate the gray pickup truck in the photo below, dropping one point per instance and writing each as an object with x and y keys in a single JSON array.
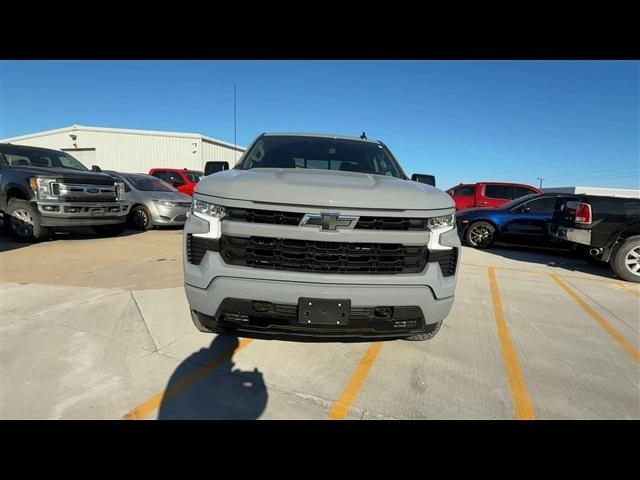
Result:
[{"x": 323, "y": 236}]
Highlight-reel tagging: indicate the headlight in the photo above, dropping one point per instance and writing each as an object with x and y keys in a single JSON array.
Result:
[
  {"x": 167, "y": 203},
  {"x": 43, "y": 188},
  {"x": 441, "y": 222},
  {"x": 120, "y": 192},
  {"x": 205, "y": 208}
]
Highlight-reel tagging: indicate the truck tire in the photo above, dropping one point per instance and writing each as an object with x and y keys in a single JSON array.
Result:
[
  {"x": 421, "y": 337},
  {"x": 109, "y": 230},
  {"x": 22, "y": 222},
  {"x": 626, "y": 261},
  {"x": 480, "y": 234},
  {"x": 140, "y": 218}
]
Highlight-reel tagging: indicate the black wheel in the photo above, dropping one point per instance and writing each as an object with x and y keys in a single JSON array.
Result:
[
  {"x": 480, "y": 234},
  {"x": 109, "y": 230},
  {"x": 626, "y": 261},
  {"x": 23, "y": 223},
  {"x": 421, "y": 337},
  {"x": 140, "y": 218}
]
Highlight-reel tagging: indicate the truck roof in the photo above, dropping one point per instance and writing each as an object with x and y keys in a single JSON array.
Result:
[{"x": 318, "y": 135}]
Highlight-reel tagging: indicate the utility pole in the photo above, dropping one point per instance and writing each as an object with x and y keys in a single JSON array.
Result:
[
  {"x": 235, "y": 143},
  {"x": 541, "y": 179}
]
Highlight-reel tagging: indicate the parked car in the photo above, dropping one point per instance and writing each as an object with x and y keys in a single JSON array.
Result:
[
  {"x": 153, "y": 201},
  {"x": 608, "y": 226},
  {"x": 42, "y": 190},
  {"x": 320, "y": 235},
  {"x": 182, "y": 179},
  {"x": 488, "y": 194},
  {"x": 523, "y": 221}
]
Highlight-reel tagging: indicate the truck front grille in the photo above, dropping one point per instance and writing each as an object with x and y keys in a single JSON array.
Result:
[
  {"x": 72, "y": 191},
  {"x": 321, "y": 257},
  {"x": 276, "y": 217}
]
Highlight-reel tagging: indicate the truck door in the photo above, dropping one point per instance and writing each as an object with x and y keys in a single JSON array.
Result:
[{"x": 463, "y": 195}]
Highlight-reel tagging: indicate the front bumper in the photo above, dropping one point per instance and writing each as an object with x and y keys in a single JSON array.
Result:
[
  {"x": 79, "y": 214},
  {"x": 232, "y": 302},
  {"x": 576, "y": 235},
  {"x": 166, "y": 215}
]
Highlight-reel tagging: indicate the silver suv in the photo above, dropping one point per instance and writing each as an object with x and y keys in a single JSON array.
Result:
[{"x": 323, "y": 236}]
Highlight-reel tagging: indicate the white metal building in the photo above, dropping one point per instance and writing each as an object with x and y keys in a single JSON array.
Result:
[
  {"x": 610, "y": 192},
  {"x": 133, "y": 150}
]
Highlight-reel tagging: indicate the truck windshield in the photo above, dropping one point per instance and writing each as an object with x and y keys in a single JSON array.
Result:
[
  {"x": 147, "y": 183},
  {"x": 39, "y": 158},
  {"x": 281, "y": 151}
]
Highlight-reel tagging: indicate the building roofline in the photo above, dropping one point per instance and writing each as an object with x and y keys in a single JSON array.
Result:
[{"x": 126, "y": 130}]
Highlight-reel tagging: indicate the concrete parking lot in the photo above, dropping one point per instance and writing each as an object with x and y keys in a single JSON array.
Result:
[{"x": 96, "y": 328}]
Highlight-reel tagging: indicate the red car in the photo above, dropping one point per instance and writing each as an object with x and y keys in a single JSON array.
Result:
[
  {"x": 182, "y": 179},
  {"x": 488, "y": 194}
]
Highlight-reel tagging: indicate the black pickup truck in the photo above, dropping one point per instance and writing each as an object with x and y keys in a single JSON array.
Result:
[
  {"x": 43, "y": 190},
  {"x": 608, "y": 226}
]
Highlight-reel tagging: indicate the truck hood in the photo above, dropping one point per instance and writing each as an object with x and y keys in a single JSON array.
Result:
[
  {"x": 325, "y": 188},
  {"x": 63, "y": 173}
]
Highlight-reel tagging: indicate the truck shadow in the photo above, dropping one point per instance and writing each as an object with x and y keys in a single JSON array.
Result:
[
  {"x": 565, "y": 259},
  {"x": 205, "y": 386}
]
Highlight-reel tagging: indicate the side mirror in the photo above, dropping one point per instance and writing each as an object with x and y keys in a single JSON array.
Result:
[
  {"x": 214, "y": 167},
  {"x": 525, "y": 210},
  {"x": 427, "y": 179},
  {"x": 95, "y": 168}
]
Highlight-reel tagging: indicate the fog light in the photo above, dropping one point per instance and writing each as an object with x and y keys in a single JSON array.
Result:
[{"x": 50, "y": 208}]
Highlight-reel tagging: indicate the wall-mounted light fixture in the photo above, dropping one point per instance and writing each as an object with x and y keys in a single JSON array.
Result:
[{"x": 73, "y": 139}]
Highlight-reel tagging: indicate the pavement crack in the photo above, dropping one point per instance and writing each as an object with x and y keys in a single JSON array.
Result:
[
  {"x": 144, "y": 321},
  {"x": 600, "y": 305}
]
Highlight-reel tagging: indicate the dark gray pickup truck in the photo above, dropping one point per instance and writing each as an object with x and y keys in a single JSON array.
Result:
[
  {"x": 608, "y": 226},
  {"x": 42, "y": 190}
]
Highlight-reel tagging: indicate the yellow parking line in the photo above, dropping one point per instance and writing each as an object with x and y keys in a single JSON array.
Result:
[
  {"x": 598, "y": 318},
  {"x": 523, "y": 407},
  {"x": 630, "y": 289},
  {"x": 544, "y": 272},
  {"x": 154, "y": 402},
  {"x": 341, "y": 408}
]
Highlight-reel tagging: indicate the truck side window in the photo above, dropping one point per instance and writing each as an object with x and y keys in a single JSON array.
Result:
[
  {"x": 464, "y": 191},
  {"x": 522, "y": 191},
  {"x": 500, "y": 191}
]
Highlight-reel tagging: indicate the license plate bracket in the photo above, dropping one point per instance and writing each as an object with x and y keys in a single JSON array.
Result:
[{"x": 323, "y": 311}]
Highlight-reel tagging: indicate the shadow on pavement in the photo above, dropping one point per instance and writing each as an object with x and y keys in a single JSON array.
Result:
[
  {"x": 7, "y": 242},
  {"x": 568, "y": 260},
  {"x": 205, "y": 386}
]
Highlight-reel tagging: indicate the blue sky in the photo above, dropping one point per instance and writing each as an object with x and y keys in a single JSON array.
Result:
[{"x": 571, "y": 122}]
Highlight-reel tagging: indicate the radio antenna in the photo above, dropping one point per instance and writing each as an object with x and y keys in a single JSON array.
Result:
[{"x": 235, "y": 151}]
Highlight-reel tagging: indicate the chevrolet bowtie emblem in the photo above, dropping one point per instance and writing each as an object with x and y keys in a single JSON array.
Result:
[{"x": 329, "y": 220}]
